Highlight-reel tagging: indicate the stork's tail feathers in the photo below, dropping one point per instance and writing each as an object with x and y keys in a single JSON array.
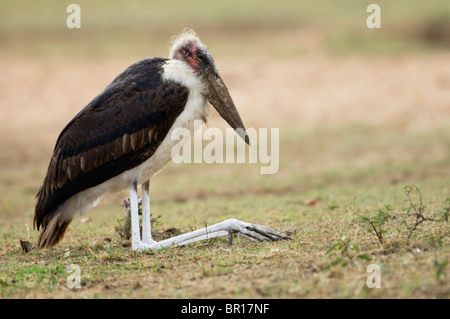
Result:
[
  {"x": 52, "y": 232},
  {"x": 53, "y": 225}
]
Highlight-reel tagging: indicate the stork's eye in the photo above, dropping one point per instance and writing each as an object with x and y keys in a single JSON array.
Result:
[{"x": 185, "y": 52}]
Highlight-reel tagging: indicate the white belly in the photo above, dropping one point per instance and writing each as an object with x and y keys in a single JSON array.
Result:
[{"x": 195, "y": 109}]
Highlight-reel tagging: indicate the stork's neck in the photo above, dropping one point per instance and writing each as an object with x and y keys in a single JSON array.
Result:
[{"x": 180, "y": 72}]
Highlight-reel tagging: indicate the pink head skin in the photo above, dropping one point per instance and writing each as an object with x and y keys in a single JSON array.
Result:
[
  {"x": 188, "y": 54},
  {"x": 188, "y": 48}
]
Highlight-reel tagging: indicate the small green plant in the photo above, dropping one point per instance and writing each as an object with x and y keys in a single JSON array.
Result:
[
  {"x": 408, "y": 222},
  {"x": 444, "y": 211},
  {"x": 376, "y": 223},
  {"x": 347, "y": 252},
  {"x": 416, "y": 208},
  {"x": 440, "y": 267}
]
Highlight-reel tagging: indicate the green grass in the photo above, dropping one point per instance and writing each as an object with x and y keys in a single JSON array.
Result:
[{"x": 287, "y": 269}]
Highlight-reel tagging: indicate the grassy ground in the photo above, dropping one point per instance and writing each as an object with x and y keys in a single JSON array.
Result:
[
  {"x": 291, "y": 269},
  {"x": 361, "y": 116}
]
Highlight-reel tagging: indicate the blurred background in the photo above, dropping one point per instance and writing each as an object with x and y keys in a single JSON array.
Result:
[{"x": 356, "y": 107}]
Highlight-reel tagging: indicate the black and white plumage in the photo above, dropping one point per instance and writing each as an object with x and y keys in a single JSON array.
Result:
[{"x": 122, "y": 138}]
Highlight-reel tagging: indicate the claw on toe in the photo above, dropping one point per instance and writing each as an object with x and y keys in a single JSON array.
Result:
[{"x": 254, "y": 232}]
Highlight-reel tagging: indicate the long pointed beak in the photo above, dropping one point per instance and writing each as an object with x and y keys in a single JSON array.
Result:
[{"x": 220, "y": 98}]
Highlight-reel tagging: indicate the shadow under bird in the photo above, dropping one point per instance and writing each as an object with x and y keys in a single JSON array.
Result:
[{"x": 123, "y": 137}]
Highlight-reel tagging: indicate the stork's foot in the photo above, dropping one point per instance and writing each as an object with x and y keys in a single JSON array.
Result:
[
  {"x": 253, "y": 232},
  {"x": 225, "y": 228}
]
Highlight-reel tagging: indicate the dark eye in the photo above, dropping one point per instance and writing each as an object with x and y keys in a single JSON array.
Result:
[
  {"x": 185, "y": 52},
  {"x": 200, "y": 57}
]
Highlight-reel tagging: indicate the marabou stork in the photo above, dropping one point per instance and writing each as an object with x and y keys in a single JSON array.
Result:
[{"x": 123, "y": 137}]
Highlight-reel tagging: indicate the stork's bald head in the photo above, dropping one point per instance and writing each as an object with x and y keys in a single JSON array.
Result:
[{"x": 187, "y": 47}]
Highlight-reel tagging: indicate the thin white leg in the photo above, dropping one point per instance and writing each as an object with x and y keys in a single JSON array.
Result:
[
  {"x": 135, "y": 233},
  {"x": 225, "y": 228},
  {"x": 146, "y": 224},
  {"x": 251, "y": 231}
]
